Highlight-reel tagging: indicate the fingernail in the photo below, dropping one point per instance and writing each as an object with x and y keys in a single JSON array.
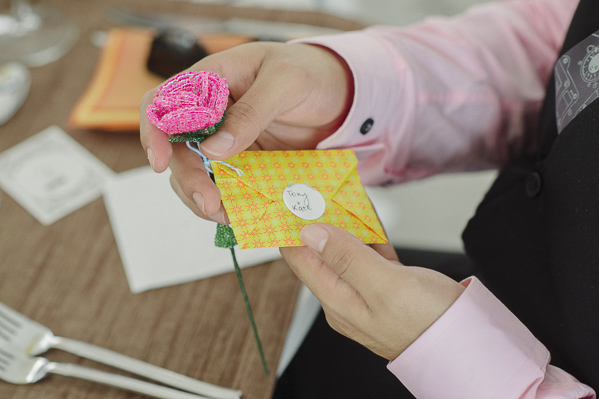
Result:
[
  {"x": 151, "y": 158},
  {"x": 315, "y": 237},
  {"x": 199, "y": 200},
  {"x": 219, "y": 217},
  {"x": 219, "y": 143}
]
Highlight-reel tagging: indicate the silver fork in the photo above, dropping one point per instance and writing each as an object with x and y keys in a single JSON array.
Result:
[
  {"x": 17, "y": 368},
  {"x": 32, "y": 338}
]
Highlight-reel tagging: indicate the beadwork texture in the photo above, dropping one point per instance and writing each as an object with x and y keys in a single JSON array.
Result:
[
  {"x": 190, "y": 103},
  {"x": 225, "y": 238}
]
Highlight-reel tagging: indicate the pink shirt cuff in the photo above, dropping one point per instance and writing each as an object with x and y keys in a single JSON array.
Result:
[
  {"x": 381, "y": 88},
  {"x": 479, "y": 349}
]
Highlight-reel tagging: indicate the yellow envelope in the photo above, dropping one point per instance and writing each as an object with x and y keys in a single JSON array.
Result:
[{"x": 280, "y": 192}]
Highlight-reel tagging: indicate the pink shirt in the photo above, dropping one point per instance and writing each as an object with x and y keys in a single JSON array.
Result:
[{"x": 456, "y": 94}]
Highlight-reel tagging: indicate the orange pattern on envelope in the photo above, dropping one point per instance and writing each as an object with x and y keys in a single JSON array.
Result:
[{"x": 257, "y": 211}]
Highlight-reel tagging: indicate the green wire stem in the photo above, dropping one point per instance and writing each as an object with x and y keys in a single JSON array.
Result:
[
  {"x": 225, "y": 238},
  {"x": 248, "y": 307}
]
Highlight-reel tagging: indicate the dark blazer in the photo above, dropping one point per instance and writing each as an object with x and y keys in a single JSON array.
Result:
[{"x": 535, "y": 236}]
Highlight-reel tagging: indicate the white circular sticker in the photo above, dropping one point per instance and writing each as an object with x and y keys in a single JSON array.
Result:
[{"x": 304, "y": 201}]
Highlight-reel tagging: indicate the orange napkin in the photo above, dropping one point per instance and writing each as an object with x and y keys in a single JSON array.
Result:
[{"x": 111, "y": 100}]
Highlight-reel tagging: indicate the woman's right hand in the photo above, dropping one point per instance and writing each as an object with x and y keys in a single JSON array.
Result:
[{"x": 282, "y": 97}]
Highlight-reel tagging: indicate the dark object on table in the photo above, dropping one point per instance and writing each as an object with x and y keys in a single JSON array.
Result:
[{"x": 173, "y": 51}]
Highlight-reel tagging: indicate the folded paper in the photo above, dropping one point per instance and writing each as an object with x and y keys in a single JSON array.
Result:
[{"x": 280, "y": 192}]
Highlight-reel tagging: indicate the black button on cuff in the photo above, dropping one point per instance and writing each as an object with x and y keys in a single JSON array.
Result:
[
  {"x": 366, "y": 126},
  {"x": 533, "y": 185}
]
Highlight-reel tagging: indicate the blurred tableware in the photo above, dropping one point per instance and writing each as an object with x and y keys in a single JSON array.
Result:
[
  {"x": 27, "y": 337},
  {"x": 35, "y": 35},
  {"x": 17, "y": 368},
  {"x": 121, "y": 78},
  {"x": 172, "y": 51},
  {"x": 256, "y": 29},
  {"x": 15, "y": 82},
  {"x": 161, "y": 21}
]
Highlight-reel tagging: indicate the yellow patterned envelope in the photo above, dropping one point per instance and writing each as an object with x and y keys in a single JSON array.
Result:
[{"x": 280, "y": 192}]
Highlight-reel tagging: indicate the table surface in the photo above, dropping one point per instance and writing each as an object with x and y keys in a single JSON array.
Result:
[{"x": 69, "y": 275}]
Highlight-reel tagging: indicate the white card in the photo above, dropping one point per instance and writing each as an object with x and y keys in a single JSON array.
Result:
[
  {"x": 51, "y": 175},
  {"x": 161, "y": 241}
]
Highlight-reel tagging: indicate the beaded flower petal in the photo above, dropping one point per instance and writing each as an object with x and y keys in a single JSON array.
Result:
[{"x": 190, "y": 106}]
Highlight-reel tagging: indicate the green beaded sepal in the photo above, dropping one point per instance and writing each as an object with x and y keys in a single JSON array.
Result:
[
  {"x": 197, "y": 136},
  {"x": 225, "y": 238}
]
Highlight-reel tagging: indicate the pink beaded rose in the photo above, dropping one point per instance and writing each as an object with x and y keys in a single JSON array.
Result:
[{"x": 190, "y": 106}]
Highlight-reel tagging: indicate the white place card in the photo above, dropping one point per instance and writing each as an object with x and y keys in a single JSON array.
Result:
[{"x": 51, "y": 175}]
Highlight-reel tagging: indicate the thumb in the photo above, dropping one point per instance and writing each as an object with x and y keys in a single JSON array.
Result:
[
  {"x": 353, "y": 261},
  {"x": 269, "y": 95}
]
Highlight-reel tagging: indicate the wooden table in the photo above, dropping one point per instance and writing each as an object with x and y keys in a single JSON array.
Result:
[{"x": 69, "y": 275}]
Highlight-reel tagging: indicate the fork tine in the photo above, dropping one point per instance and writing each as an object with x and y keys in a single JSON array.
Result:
[
  {"x": 4, "y": 335},
  {"x": 10, "y": 315},
  {"x": 5, "y": 360},
  {"x": 8, "y": 324}
]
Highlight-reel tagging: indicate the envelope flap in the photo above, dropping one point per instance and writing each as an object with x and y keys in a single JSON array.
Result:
[
  {"x": 353, "y": 198},
  {"x": 249, "y": 179},
  {"x": 245, "y": 207},
  {"x": 269, "y": 172}
]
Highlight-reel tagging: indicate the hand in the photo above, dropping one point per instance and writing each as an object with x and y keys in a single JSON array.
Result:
[
  {"x": 283, "y": 97},
  {"x": 367, "y": 295}
]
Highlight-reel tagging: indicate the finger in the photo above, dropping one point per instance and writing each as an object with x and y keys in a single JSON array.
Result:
[
  {"x": 153, "y": 140},
  {"x": 219, "y": 217},
  {"x": 386, "y": 251},
  {"x": 325, "y": 284},
  {"x": 348, "y": 257},
  {"x": 271, "y": 94},
  {"x": 193, "y": 181},
  {"x": 186, "y": 200},
  {"x": 244, "y": 121}
]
